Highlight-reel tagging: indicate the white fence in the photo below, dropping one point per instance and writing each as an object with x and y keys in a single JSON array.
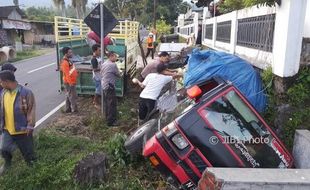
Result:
[{"x": 264, "y": 36}]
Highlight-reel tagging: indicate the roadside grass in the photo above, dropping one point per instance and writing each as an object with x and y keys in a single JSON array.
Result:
[
  {"x": 71, "y": 137},
  {"x": 297, "y": 96},
  {"x": 26, "y": 54}
]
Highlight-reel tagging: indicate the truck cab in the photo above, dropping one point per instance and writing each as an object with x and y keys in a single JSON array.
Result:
[{"x": 213, "y": 126}]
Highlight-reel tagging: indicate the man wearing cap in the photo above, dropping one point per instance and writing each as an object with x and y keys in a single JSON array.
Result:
[
  {"x": 152, "y": 86},
  {"x": 17, "y": 120},
  {"x": 109, "y": 73},
  {"x": 7, "y": 67},
  {"x": 164, "y": 58}
]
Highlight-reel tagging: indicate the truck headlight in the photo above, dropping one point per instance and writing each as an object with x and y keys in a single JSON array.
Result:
[{"x": 179, "y": 141}]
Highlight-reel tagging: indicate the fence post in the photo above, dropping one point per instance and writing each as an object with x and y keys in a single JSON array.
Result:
[
  {"x": 290, "y": 19},
  {"x": 214, "y": 32},
  {"x": 233, "y": 32}
]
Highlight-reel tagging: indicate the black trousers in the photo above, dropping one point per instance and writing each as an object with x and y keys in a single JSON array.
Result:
[
  {"x": 145, "y": 107},
  {"x": 150, "y": 50},
  {"x": 24, "y": 143},
  {"x": 110, "y": 105}
]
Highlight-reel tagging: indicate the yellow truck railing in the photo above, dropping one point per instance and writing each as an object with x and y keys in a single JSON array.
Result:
[{"x": 67, "y": 29}]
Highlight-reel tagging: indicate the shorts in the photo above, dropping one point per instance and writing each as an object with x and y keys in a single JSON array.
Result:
[{"x": 98, "y": 87}]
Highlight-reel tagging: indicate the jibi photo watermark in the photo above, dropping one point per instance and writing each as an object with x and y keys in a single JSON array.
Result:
[{"x": 214, "y": 140}]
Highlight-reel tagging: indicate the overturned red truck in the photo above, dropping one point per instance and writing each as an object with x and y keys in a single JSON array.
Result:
[{"x": 212, "y": 125}]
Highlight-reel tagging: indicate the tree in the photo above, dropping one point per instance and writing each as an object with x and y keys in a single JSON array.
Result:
[
  {"x": 40, "y": 13},
  {"x": 60, "y": 5},
  {"x": 162, "y": 27},
  {"x": 16, "y": 2},
  {"x": 80, "y": 7},
  {"x": 270, "y": 3},
  {"x": 231, "y": 5}
]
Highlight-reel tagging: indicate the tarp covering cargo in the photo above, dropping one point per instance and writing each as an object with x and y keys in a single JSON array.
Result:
[{"x": 208, "y": 63}]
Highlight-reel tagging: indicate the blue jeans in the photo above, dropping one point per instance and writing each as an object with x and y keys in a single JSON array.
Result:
[
  {"x": 97, "y": 86},
  {"x": 23, "y": 142}
]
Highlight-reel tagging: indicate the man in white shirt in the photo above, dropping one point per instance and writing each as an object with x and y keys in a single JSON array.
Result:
[{"x": 152, "y": 86}]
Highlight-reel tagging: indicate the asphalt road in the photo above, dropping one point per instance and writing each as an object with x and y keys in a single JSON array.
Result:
[{"x": 40, "y": 75}]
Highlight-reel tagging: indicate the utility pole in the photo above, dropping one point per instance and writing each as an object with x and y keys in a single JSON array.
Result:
[{"x": 154, "y": 14}]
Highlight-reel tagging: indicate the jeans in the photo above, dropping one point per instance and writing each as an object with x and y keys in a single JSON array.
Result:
[
  {"x": 23, "y": 142},
  {"x": 71, "y": 98},
  {"x": 110, "y": 105},
  {"x": 146, "y": 106}
]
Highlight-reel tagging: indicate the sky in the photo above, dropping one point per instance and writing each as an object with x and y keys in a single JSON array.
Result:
[
  {"x": 41, "y": 3},
  {"x": 37, "y": 3}
]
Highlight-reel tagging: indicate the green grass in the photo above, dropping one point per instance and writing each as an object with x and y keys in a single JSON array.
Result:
[
  {"x": 58, "y": 155},
  {"x": 26, "y": 54}
]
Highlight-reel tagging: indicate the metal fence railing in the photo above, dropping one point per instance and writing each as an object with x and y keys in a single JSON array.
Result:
[
  {"x": 223, "y": 31},
  {"x": 209, "y": 31},
  {"x": 68, "y": 29},
  {"x": 256, "y": 32}
]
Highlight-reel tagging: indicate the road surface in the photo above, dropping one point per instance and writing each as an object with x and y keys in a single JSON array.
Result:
[{"x": 40, "y": 75}]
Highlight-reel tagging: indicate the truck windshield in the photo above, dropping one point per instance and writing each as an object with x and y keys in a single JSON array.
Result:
[{"x": 242, "y": 130}]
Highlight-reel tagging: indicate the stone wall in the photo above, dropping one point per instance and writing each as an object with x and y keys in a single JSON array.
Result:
[{"x": 305, "y": 52}]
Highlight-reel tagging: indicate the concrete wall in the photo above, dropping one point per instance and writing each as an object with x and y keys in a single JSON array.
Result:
[
  {"x": 301, "y": 149},
  {"x": 255, "y": 179},
  {"x": 290, "y": 27},
  {"x": 307, "y": 21}
]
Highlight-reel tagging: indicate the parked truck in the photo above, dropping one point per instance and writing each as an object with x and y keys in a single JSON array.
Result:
[{"x": 73, "y": 33}]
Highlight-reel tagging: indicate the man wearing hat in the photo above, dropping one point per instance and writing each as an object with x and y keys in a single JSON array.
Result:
[
  {"x": 152, "y": 86},
  {"x": 150, "y": 45}
]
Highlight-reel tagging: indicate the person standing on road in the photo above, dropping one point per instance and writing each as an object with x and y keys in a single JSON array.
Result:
[
  {"x": 150, "y": 46},
  {"x": 109, "y": 73},
  {"x": 70, "y": 75},
  {"x": 7, "y": 67},
  {"x": 17, "y": 116},
  {"x": 95, "y": 63},
  {"x": 152, "y": 86}
]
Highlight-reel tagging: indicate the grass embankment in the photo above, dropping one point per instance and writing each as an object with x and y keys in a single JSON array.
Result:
[
  {"x": 297, "y": 98},
  {"x": 71, "y": 137}
]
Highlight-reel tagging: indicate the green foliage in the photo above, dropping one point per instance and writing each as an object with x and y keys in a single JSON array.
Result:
[
  {"x": 115, "y": 148},
  {"x": 295, "y": 122},
  {"x": 162, "y": 27},
  {"x": 300, "y": 91},
  {"x": 270, "y": 3},
  {"x": 57, "y": 157},
  {"x": 231, "y": 5},
  {"x": 267, "y": 77},
  {"x": 40, "y": 13}
]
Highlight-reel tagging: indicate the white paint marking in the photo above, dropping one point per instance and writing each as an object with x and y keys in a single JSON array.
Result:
[
  {"x": 49, "y": 114},
  {"x": 41, "y": 68}
]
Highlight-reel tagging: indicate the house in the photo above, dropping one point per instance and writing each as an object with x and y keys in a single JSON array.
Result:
[{"x": 12, "y": 25}]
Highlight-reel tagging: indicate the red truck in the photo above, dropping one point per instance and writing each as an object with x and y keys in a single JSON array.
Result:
[{"x": 212, "y": 126}]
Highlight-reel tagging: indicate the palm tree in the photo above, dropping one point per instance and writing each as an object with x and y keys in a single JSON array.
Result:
[
  {"x": 60, "y": 5},
  {"x": 80, "y": 7}
]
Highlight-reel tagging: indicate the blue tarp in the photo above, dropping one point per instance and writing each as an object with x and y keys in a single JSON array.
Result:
[{"x": 205, "y": 64}]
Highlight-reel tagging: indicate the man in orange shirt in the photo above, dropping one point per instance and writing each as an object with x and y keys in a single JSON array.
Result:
[
  {"x": 150, "y": 45},
  {"x": 70, "y": 75}
]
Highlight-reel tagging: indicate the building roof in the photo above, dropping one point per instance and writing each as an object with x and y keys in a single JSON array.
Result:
[{"x": 5, "y": 11}]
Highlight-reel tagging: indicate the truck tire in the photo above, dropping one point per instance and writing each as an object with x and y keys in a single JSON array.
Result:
[{"x": 134, "y": 143}]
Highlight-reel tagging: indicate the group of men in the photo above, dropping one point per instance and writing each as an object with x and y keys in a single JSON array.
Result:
[
  {"x": 153, "y": 78},
  {"x": 105, "y": 75},
  {"x": 17, "y": 118}
]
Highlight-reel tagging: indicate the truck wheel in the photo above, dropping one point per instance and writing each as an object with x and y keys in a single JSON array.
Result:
[{"x": 134, "y": 143}]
